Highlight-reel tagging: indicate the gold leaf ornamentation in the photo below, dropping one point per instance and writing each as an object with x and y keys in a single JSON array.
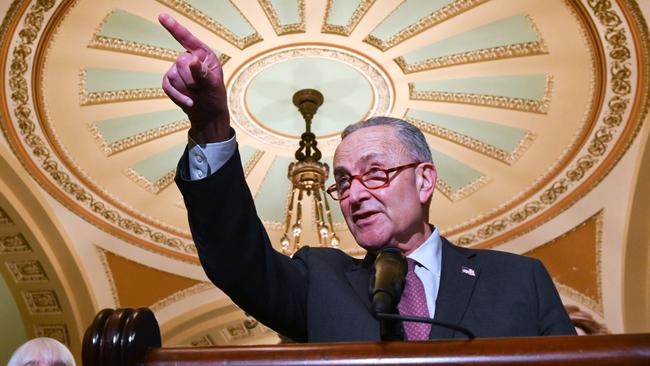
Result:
[
  {"x": 19, "y": 89},
  {"x": 446, "y": 12},
  {"x": 620, "y": 74},
  {"x": 193, "y": 13}
]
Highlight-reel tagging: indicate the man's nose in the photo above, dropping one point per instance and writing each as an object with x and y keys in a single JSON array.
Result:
[{"x": 358, "y": 192}]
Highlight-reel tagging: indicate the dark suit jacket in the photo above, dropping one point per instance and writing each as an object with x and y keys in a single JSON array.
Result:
[{"x": 321, "y": 294}]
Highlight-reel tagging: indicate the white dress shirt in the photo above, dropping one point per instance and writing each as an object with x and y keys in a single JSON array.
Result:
[
  {"x": 206, "y": 159},
  {"x": 428, "y": 257}
]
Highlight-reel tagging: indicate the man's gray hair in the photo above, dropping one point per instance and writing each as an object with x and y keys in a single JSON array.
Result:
[{"x": 410, "y": 136}]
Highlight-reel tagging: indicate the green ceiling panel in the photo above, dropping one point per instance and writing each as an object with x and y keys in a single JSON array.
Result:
[
  {"x": 225, "y": 13},
  {"x": 246, "y": 153},
  {"x": 116, "y": 129},
  {"x": 500, "y": 136},
  {"x": 102, "y": 80},
  {"x": 531, "y": 87},
  {"x": 129, "y": 27},
  {"x": 341, "y": 11},
  {"x": 508, "y": 31},
  {"x": 287, "y": 10},
  {"x": 271, "y": 199},
  {"x": 409, "y": 12},
  {"x": 159, "y": 165},
  {"x": 348, "y": 96},
  {"x": 453, "y": 172}
]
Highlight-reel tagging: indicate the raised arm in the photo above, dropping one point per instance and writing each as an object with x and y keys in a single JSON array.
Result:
[{"x": 195, "y": 83}]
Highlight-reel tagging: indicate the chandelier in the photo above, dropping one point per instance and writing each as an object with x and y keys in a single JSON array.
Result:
[{"x": 307, "y": 175}]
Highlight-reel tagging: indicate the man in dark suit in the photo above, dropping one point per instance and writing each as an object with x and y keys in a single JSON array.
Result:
[{"x": 384, "y": 182}]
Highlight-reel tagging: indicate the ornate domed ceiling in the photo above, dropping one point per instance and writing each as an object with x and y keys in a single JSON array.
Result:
[{"x": 526, "y": 104}]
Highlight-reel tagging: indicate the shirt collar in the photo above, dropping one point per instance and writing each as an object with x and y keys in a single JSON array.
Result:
[{"x": 429, "y": 254}]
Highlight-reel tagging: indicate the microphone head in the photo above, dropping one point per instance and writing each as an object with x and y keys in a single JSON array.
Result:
[{"x": 388, "y": 281}]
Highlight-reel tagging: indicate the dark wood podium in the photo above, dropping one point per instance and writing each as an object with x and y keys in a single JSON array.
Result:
[{"x": 129, "y": 337}]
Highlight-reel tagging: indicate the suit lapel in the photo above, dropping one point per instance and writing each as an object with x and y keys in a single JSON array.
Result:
[
  {"x": 359, "y": 278},
  {"x": 458, "y": 276}
]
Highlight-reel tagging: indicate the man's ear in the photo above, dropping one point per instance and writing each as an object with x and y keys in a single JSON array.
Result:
[{"x": 425, "y": 181}]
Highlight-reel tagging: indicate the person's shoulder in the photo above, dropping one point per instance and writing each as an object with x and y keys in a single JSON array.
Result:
[
  {"x": 325, "y": 255},
  {"x": 493, "y": 256}
]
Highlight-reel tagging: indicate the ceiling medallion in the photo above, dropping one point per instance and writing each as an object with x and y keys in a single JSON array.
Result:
[{"x": 374, "y": 85}]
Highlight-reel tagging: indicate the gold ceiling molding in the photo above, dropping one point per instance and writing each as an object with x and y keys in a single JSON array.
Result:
[
  {"x": 193, "y": 13},
  {"x": 137, "y": 139},
  {"x": 486, "y": 54},
  {"x": 380, "y": 84},
  {"x": 607, "y": 143},
  {"x": 252, "y": 162},
  {"x": 345, "y": 30},
  {"x": 446, "y": 12},
  {"x": 232, "y": 333},
  {"x": 113, "y": 96},
  {"x": 136, "y": 48},
  {"x": 105, "y": 216},
  {"x": 42, "y": 302},
  {"x": 589, "y": 119},
  {"x": 282, "y": 29},
  {"x": 581, "y": 298},
  {"x": 467, "y": 190},
  {"x": 27, "y": 271},
  {"x": 55, "y": 331},
  {"x": 180, "y": 295},
  {"x": 497, "y": 101},
  {"x": 28, "y": 280},
  {"x": 153, "y": 187},
  {"x": 241, "y": 330},
  {"x": 101, "y": 254},
  {"x": 115, "y": 44},
  {"x": 203, "y": 341},
  {"x": 471, "y": 143},
  {"x": 14, "y": 243}
]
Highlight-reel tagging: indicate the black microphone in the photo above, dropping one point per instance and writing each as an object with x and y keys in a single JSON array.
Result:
[
  {"x": 388, "y": 281},
  {"x": 386, "y": 291}
]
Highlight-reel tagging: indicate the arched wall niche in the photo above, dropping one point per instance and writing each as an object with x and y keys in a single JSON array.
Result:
[{"x": 40, "y": 241}]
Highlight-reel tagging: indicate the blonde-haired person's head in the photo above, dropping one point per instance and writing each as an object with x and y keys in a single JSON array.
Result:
[{"x": 42, "y": 352}]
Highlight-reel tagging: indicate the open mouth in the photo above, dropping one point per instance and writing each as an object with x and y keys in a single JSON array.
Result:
[{"x": 364, "y": 218}]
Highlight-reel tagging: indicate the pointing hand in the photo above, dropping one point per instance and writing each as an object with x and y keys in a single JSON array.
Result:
[{"x": 195, "y": 83}]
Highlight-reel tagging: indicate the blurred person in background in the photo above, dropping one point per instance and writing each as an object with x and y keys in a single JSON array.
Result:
[{"x": 42, "y": 352}]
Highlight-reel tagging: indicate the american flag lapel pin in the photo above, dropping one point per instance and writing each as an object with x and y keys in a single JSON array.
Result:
[{"x": 468, "y": 271}]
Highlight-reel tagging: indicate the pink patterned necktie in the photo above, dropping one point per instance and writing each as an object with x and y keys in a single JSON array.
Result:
[{"x": 414, "y": 303}]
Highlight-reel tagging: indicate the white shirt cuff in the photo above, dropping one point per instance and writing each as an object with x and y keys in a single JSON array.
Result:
[{"x": 206, "y": 159}]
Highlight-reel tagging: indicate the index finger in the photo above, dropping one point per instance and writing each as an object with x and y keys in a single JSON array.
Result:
[{"x": 181, "y": 34}]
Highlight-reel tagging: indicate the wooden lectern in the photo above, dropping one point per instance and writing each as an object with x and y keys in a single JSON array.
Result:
[{"x": 130, "y": 337}]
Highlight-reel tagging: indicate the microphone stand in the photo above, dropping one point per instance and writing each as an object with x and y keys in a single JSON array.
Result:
[
  {"x": 390, "y": 328},
  {"x": 393, "y": 320}
]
